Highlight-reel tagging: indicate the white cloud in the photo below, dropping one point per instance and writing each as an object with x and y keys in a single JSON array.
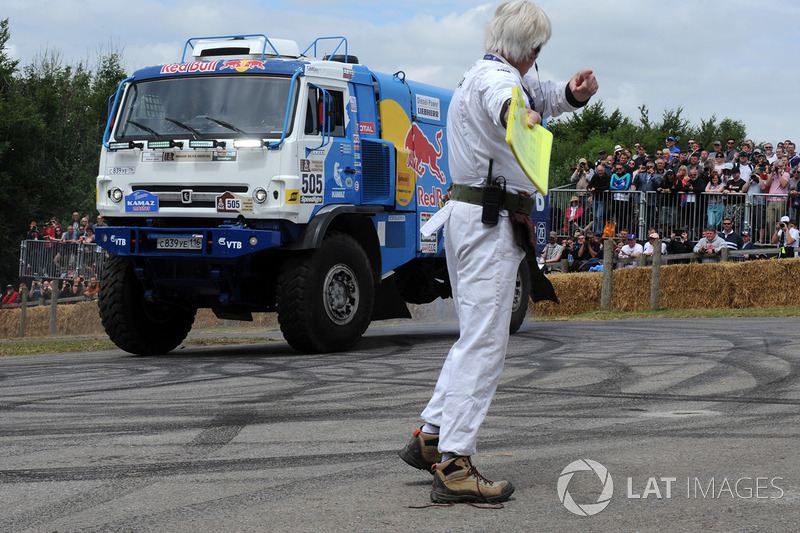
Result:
[{"x": 733, "y": 60}]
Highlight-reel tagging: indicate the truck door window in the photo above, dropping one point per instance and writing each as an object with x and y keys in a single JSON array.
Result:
[{"x": 314, "y": 111}]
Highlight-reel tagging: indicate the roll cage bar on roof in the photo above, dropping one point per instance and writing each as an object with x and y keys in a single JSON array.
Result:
[{"x": 190, "y": 44}]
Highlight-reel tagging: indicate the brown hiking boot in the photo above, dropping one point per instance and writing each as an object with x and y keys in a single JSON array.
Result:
[
  {"x": 422, "y": 451},
  {"x": 458, "y": 481}
]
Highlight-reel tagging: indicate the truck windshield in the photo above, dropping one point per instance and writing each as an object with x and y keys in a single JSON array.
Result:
[{"x": 205, "y": 107}]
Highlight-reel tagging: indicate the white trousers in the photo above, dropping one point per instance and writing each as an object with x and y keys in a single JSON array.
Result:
[{"x": 482, "y": 262}]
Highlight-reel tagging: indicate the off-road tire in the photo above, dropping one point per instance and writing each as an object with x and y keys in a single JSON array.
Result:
[
  {"x": 134, "y": 324},
  {"x": 325, "y": 296},
  {"x": 522, "y": 291}
]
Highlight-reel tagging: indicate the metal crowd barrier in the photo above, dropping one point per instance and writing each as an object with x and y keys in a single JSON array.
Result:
[
  {"x": 46, "y": 259},
  {"x": 638, "y": 211}
]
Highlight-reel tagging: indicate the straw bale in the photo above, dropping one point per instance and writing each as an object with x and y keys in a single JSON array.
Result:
[{"x": 732, "y": 285}]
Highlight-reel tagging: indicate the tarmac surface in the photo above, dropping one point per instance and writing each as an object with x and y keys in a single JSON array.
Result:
[{"x": 638, "y": 425}]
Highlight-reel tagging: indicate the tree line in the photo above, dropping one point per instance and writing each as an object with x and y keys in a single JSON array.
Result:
[{"x": 52, "y": 119}]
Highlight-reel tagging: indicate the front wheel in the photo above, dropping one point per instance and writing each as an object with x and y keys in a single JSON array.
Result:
[
  {"x": 133, "y": 323},
  {"x": 522, "y": 291},
  {"x": 325, "y": 297}
]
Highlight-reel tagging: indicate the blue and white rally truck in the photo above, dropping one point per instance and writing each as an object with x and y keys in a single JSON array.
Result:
[{"x": 254, "y": 177}]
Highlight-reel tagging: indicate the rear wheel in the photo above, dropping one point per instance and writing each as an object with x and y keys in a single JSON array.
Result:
[
  {"x": 325, "y": 297},
  {"x": 131, "y": 322},
  {"x": 522, "y": 291}
]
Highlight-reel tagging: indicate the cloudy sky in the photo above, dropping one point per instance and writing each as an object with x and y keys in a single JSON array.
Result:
[{"x": 730, "y": 59}]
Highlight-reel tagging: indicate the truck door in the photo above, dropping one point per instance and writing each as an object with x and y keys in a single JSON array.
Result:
[{"x": 328, "y": 169}]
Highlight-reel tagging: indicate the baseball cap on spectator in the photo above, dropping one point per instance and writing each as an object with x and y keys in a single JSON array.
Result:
[
  {"x": 745, "y": 232},
  {"x": 653, "y": 236},
  {"x": 784, "y": 219},
  {"x": 670, "y": 138},
  {"x": 9, "y": 285},
  {"x": 573, "y": 199},
  {"x": 617, "y": 148},
  {"x": 553, "y": 234},
  {"x": 670, "y": 171},
  {"x": 717, "y": 143},
  {"x": 631, "y": 236},
  {"x": 582, "y": 160},
  {"x": 601, "y": 152}
]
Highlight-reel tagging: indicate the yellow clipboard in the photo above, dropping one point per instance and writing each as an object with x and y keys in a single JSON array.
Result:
[{"x": 531, "y": 146}]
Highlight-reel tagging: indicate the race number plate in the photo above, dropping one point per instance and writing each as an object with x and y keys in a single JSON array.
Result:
[{"x": 179, "y": 243}]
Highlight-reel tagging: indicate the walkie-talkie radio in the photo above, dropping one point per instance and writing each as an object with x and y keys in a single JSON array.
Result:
[{"x": 494, "y": 195}]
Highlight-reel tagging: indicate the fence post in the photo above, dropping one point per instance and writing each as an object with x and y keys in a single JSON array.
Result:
[
  {"x": 23, "y": 311},
  {"x": 608, "y": 272},
  {"x": 723, "y": 254},
  {"x": 655, "y": 280},
  {"x": 56, "y": 288}
]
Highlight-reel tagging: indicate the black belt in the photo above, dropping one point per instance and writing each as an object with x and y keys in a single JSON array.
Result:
[{"x": 515, "y": 203}]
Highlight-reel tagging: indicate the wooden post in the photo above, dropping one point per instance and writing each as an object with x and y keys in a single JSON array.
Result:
[
  {"x": 655, "y": 280},
  {"x": 608, "y": 272},
  {"x": 23, "y": 306},
  {"x": 55, "y": 287}
]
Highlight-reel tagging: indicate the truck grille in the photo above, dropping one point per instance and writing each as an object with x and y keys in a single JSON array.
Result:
[{"x": 197, "y": 195}]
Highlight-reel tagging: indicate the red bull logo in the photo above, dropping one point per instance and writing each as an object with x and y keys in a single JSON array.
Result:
[
  {"x": 243, "y": 65},
  {"x": 197, "y": 66},
  {"x": 422, "y": 152}
]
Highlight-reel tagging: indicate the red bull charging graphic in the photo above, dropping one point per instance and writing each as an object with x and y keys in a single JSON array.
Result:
[{"x": 422, "y": 152}]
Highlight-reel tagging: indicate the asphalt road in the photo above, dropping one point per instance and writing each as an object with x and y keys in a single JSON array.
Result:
[{"x": 694, "y": 421}]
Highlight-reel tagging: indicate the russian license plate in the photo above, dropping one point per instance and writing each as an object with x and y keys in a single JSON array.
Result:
[{"x": 179, "y": 243}]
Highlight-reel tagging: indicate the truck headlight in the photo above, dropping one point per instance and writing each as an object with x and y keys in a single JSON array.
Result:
[{"x": 115, "y": 194}]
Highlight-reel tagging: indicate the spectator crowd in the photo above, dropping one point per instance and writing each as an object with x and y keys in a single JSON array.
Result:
[
  {"x": 75, "y": 281},
  {"x": 695, "y": 199}
]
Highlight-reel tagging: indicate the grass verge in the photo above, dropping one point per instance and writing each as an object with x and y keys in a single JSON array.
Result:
[{"x": 36, "y": 346}]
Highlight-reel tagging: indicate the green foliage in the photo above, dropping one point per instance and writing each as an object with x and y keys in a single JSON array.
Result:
[{"x": 52, "y": 119}]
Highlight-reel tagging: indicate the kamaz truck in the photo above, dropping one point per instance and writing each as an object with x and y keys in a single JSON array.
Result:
[{"x": 253, "y": 177}]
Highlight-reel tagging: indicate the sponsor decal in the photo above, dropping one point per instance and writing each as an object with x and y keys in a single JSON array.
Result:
[
  {"x": 141, "y": 202},
  {"x": 422, "y": 153},
  {"x": 429, "y": 199},
  {"x": 366, "y": 128},
  {"x": 348, "y": 73},
  {"x": 428, "y": 107},
  {"x": 312, "y": 179},
  {"x": 183, "y": 68},
  {"x": 337, "y": 174},
  {"x": 243, "y": 65},
  {"x": 152, "y": 157},
  {"x": 226, "y": 155},
  {"x": 353, "y": 104},
  {"x": 292, "y": 196},
  {"x": 229, "y": 202},
  {"x": 193, "y": 156},
  {"x": 404, "y": 188},
  {"x": 337, "y": 193},
  {"x": 230, "y": 245},
  {"x": 430, "y": 244},
  {"x": 119, "y": 241}
]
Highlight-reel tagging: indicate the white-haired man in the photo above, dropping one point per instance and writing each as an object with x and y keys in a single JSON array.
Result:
[{"x": 483, "y": 258}]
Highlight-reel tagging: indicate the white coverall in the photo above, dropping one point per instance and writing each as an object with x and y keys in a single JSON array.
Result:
[{"x": 482, "y": 260}]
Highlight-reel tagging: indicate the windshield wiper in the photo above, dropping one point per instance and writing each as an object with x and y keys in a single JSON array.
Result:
[
  {"x": 226, "y": 125},
  {"x": 184, "y": 126},
  {"x": 149, "y": 130}
]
